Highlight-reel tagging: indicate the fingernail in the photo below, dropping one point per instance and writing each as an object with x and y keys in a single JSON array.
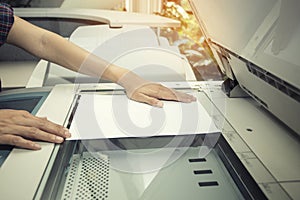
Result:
[
  {"x": 59, "y": 139},
  {"x": 36, "y": 146},
  {"x": 67, "y": 133},
  {"x": 159, "y": 104},
  {"x": 192, "y": 99}
]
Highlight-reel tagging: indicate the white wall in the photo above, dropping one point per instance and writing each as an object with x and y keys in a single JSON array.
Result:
[
  {"x": 97, "y": 4},
  {"x": 144, "y": 6}
]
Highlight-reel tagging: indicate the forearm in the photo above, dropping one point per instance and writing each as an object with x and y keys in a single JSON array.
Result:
[{"x": 54, "y": 48}]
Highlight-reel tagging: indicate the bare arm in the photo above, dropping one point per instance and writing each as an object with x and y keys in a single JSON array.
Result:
[{"x": 54, "y": 48}]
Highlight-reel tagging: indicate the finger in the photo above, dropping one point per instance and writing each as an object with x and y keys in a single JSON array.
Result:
[
  {"x": 184, "y": 97},
  {"x": 50, "y": 127},
  {"x": 38, "y": 134},
  {"x": 33, "y": 133},
  {"x": 156, "y": 91},
  {"x": 43, "y": 124},
  {"x": 148, "y": 100},
  {"x": 19, "y": 142},
  {"x": 170, "y": 94}
]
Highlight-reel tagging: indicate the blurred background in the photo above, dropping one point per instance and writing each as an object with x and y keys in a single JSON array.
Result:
[{"x": 188, "y": 37}]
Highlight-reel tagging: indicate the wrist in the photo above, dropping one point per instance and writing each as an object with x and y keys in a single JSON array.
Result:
[{"x": 130, "y": 80}]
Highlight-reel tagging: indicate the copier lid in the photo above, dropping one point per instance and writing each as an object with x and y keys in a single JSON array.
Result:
[
  {"x": 257, "y": 43},
  {"x": 266, "y": 33}
]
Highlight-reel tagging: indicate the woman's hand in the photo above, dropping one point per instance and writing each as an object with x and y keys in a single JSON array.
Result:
[
  {"x": 19, "y": 128},
  {"x": 152, "y": 93},
  {"x": 141, "y": 90}
]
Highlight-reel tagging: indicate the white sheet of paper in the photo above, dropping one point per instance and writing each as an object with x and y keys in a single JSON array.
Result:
[{"x": 115, "y": 116}]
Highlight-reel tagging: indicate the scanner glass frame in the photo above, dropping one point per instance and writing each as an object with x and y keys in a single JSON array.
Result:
[{"x": 242, "y": 182}]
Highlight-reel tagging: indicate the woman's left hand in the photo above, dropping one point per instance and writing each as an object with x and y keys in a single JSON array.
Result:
[{"x": 153, "y": 93}]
